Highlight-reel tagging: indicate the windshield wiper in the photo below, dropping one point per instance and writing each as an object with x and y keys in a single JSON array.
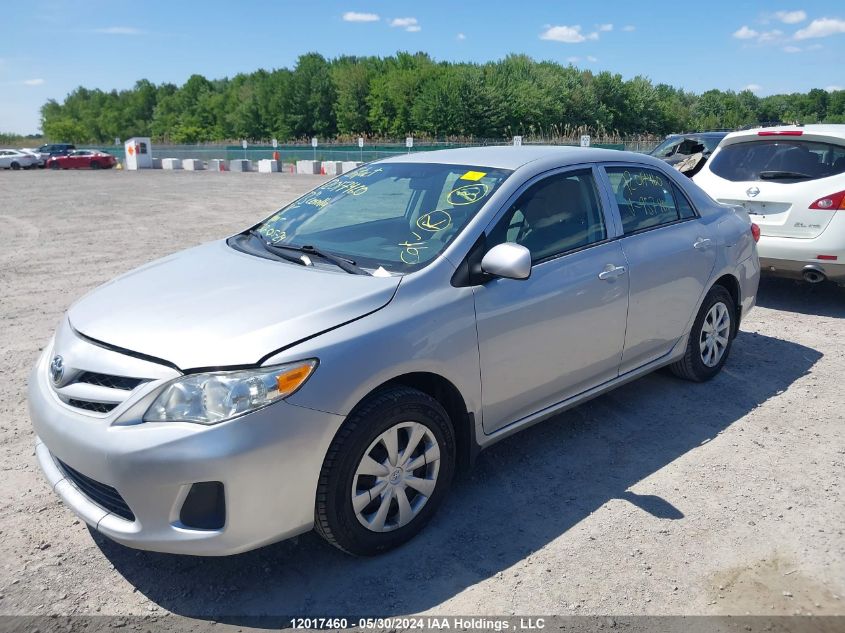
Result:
[
  {"x": 344, "y": 264},
  {"x": 270, "y": 248},
  {"x": 783, "y": 175}
]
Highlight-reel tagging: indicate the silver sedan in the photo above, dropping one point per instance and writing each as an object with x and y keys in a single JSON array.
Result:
[
  {"x": 331, "y": 366},
  {"x": 16, "y": 159}
]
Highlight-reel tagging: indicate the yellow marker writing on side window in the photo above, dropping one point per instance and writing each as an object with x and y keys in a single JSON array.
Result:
[{"x": 474, "y": 175}]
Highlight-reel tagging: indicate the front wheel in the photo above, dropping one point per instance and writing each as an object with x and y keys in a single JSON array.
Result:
[
  {"x": 386, "y": 472},
  {"x": 15, "y": 165},
  {"x": 55, "y": 166},
  {"x": 710, "y": 338}
]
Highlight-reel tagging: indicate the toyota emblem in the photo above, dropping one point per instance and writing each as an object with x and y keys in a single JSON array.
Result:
[
  {"x": 752, "y": 191},
  {"x": 57, "y": 369}
]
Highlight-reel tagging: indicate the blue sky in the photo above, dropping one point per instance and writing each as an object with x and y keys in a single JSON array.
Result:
[{"x": 48, "y": 47}]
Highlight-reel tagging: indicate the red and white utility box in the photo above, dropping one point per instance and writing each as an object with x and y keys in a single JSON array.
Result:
[{"x": 139, "y": 153}]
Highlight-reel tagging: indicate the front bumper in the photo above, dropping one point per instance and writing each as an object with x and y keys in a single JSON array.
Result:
[{"x": 268, "y": 462}]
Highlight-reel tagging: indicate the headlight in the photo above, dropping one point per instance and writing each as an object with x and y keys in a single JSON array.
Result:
[{"x": 219, "y": 396}]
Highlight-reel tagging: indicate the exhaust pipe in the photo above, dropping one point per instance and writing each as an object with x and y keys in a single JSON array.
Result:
[{"x": 813, "y": 275}]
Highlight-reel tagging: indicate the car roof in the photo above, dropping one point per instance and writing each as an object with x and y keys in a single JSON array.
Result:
[
  {"x": 697, "y": 135},
  {"x": 813, "y": 132},
  {"x": 510, "y": 157}
]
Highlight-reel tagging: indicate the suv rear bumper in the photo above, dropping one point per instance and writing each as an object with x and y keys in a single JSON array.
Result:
[
  {"x": 790, "y": 256},
  {"x": 794, "y": 269}
]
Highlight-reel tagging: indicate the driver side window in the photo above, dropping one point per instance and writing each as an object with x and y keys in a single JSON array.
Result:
[{"x": 558, "y": 214}]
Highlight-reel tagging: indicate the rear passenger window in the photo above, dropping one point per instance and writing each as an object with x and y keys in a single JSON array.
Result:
[
  {"x": 645, "y": 198},
  {"x": 684, "y": 207}
]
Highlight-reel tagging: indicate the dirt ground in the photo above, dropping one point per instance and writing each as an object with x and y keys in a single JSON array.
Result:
[{"x": 662, "y": 497}]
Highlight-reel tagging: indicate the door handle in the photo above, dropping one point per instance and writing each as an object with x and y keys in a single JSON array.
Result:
[
  {"x": 702, "y": 243},
  {"x": 612, "y": 272}
]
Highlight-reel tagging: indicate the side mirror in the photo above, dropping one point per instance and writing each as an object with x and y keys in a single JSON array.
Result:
[{"x": 508, "y": 260}]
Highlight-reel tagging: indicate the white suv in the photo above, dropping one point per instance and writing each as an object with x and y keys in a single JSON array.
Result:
[{"x": 791, "y": 181}]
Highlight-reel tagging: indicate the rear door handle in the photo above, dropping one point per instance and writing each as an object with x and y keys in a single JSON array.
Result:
[
  {"x": 612, "y": 272},
  {"x": 702, "y": 243}
]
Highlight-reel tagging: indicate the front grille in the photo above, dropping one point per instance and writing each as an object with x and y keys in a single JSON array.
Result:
[
  {"x": 106, "y": 380},
  {"x": 97, "y": 407},
  {"x": 104, "y": 496}
]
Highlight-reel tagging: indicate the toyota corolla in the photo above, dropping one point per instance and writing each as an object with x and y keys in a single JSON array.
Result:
[{"x": 333, "y": 365}]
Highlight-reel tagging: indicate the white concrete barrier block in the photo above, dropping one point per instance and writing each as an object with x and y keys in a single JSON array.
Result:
[
  {"x": 240, "y": 164},
  {"x": 156, "y": 163},
  {"x": 331, "y": 168},
  {"x": 171, "y": 163},
  {"x": 268, "y": 166},
  {"x": 216, "y": 164},
  {"x": 307, "y": 167},
  {"x": 349, "y": 165},
  {"x": 192, "y": 164}
]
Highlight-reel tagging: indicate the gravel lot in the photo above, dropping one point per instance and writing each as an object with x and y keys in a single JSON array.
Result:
[{"x": 663, "y": 497}]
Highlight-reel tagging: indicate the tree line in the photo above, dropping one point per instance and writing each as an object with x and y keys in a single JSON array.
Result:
[{"x": 406, "y": 93}]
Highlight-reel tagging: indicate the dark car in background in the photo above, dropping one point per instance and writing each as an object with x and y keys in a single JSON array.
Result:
[
  {"x": 82, "y": 159},
  {"x": 677, "y": 148},
  {"x": 48, "y": 150}
]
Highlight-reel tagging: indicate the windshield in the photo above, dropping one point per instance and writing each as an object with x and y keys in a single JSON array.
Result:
[
  {"x": 667, "y": 147},
  {"x": 398, "y": 216},
  {"x": 778, "y": 158}
]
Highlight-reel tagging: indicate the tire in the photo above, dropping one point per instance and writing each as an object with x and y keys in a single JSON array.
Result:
[
  {"x": 15, "y": 165},
  {"x": 359, "y": 529},
  {"x": 707, "y": 353},
  {"x": 55, "y": 165},
  {"x": 95, "y": 165}
]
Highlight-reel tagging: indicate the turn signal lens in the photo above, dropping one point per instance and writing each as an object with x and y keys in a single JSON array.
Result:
[
  {"x": 755, "y": 232},
  {"x": 290, "y": 381},
  {"x": 830, "y": 203}
]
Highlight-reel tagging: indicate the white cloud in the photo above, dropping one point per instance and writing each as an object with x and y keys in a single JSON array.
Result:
[
  {"x": 411, "y": 25},
  {"x": 823, "y": 27},
  {"x": 353, "y": 16},
  {"x": 770, "y": 36},
  {"x": 33, "y": 82},
  {"x": 592, "y": 59},
  {"x": 744, "y": 33},
  {"x": 791, "y": 17},
  {"x": 605, "y": 27},
  {"x": 573, "y": 60},
  {"x": 629, "y": 27},
  {"x": 461, "y": 37},
  {"x": 120, "y": 30},
  {"x": 567, "y": 34},
  {"x": 834, "y": 88},
  {"x": 753, "y": 87},
  {"x": 792, "y": 49}
]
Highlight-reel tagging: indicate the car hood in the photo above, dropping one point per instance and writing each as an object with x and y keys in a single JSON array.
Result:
[{"x": 213, "y": 306}]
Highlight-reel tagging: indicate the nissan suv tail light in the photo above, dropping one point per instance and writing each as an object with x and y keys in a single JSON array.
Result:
[
  {"x": 833, "y": 202},
  {"x": 755, "y": 232}
]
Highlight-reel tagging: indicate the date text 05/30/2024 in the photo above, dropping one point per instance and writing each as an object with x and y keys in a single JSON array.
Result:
[{"x": 423, "y": 623}]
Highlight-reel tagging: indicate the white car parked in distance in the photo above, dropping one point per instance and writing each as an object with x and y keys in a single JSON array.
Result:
[
  {"x": 15, "y": 159},
  {"x": 791, "y": 181}
]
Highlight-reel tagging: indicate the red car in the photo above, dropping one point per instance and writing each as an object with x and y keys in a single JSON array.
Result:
[{"x": 82, "y": 159}]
